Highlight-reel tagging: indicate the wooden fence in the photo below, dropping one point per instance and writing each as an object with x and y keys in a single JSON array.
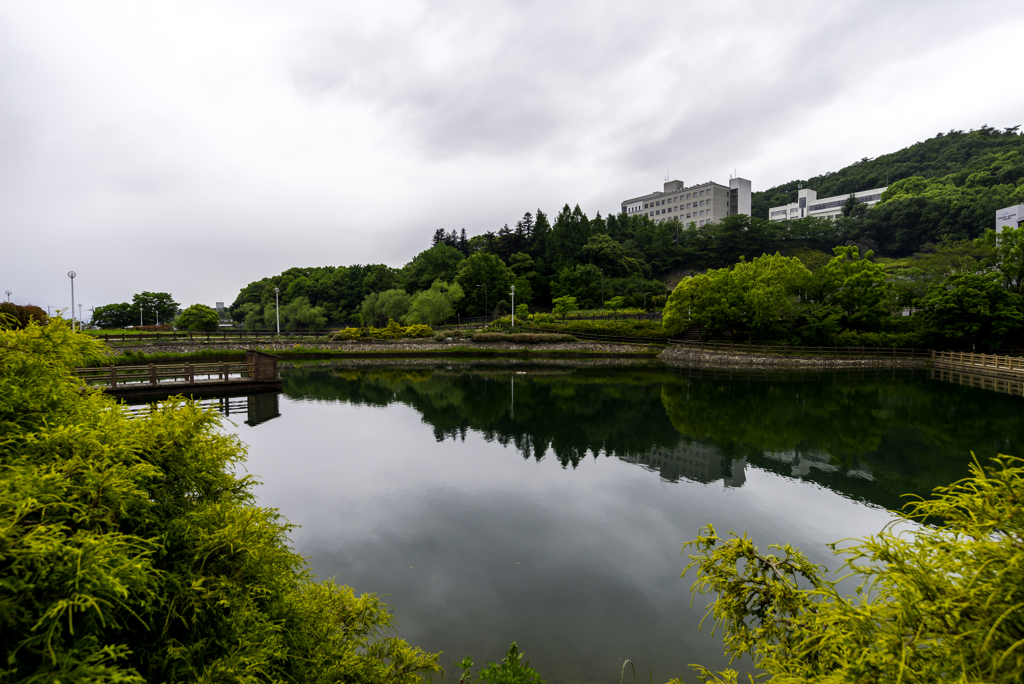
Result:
[{"x": 1002, "y": 365}]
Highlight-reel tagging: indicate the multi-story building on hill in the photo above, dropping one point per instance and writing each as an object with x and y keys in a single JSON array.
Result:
[
  {"x": 1010, "y": 217},
  {"x": 808, "y": 204},
  {"x": 701, "y": 204}
]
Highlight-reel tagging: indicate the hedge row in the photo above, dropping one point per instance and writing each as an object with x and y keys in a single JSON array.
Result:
[{"x": 523, "y": 338}]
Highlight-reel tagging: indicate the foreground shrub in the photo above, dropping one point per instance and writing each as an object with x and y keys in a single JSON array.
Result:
[
  {"x": 131, "y": 551},
  {"x": 509, "y": 671},
  {"x": 940, "y": 603}
]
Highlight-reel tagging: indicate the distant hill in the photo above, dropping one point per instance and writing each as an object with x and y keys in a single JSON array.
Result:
[{"x": 957, "y": 154}]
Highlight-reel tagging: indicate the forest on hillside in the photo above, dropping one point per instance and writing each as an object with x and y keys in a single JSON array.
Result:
[
  {"x": 942, "y": 191},
  {"x": 954, "y": 156}
]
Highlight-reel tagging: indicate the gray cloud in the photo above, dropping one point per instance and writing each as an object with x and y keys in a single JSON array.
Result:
[{"x": 193, "y": 147}]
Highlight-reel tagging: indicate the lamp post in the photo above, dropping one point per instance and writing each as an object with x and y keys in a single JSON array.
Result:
[
  {"x": 140, "y": 313},
  {"x": 72, "y": 274},
  {"x": 79, "y": 315},
  {"x": 277, "y": 310},
  {"x": 513, "y": 306},
  {"x": 8, "y": 295}
]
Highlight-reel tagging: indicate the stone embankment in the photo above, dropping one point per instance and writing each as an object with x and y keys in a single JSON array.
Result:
[
  {"x": 694, "y": 357},
  {"x": 384, "y": 347}
]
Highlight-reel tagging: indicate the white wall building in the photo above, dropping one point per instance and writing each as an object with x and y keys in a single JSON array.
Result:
[
  {"x": 701, "y": 204},
  {"x": 1010, "y": 217},
  {"x": 808, "y": 204}
]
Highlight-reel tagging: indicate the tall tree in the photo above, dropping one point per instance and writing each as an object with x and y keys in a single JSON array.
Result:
[
  {"x": 439, "y": 262},
  {"x": 153, "y": 304},
  {"x": 485, "y": 280},
  {"x": 570, "y": 232}
]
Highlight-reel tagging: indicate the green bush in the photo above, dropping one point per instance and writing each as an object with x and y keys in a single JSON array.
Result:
[
  {"x": 133, "y": 551},
  {"x": 508, "y": 671},
  {"x": 198, "y": 317}
]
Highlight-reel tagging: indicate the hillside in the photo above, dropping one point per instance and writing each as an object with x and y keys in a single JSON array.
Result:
[{"x": 957, "y": 154}]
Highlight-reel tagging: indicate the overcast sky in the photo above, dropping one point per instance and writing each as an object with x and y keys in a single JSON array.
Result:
[{"x": 193, "y": 147}]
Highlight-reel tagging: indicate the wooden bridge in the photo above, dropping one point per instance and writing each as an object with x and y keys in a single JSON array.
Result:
[
  {"x": 258, "y": 373},
  {"x": 993, "y": 365}
]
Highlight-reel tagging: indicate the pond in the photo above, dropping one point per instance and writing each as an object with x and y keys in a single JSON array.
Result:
[{"x": 548, "y": 504}]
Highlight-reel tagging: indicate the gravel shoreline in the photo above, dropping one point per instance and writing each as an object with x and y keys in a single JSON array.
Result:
[{"x": 689, "y": 357}]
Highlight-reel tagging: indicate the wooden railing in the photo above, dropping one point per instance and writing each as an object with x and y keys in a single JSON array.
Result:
[
  {"x": 992, "y": 362},
  {"x": 152, "y": 374},
  {"x": 257, "y": 367}
]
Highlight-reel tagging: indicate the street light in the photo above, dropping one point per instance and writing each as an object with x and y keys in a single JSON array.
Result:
[
  {"x": 79, "y": 315},
  {"x": 277, "y": 310},
  {"x": 72, "y": 274},
  {"x": 513, "y": 306},
  {"x": 8, "y": 295}
]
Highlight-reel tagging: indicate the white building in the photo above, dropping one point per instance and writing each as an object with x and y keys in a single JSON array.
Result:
[
  {"x": 1010, "y": 217},
  {"x": 808, "y": 204},
  {"x": 701, "y": 204}
]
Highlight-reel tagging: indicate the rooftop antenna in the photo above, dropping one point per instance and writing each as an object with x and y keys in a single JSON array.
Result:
[{"x": 668, "y": 174}]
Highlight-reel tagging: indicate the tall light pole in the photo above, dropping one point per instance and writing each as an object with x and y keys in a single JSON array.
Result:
[
  {"x": 8, "y": 295},
  {"x": 72, "y": 274},
  {"x": 513, "y": 306},
  {"x": 79, "y": 315},
  {"x": 277, "y": 310},
  {"x": 140, "y": 313}
]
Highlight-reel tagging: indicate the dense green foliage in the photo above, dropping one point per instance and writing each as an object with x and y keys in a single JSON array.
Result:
[
  {"x": 962, "y": 294},
  {"x": 197, "y": 317},
  {"x": 145, "y": 308},
  {"x": 938, "y": 602},
  {"x": 132, "y": 552},
  {"x": 957, "y": 154}
]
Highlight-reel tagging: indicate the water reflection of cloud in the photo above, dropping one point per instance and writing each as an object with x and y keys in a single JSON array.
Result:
[{"x": 476, "y": 546}]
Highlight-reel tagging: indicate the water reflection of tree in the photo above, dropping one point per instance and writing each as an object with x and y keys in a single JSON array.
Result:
[
  {"x": 570, "y": 414},
  {"x": 909, "y": 435}
]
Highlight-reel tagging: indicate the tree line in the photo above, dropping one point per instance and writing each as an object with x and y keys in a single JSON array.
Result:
[{"x": 958, "y": 294}]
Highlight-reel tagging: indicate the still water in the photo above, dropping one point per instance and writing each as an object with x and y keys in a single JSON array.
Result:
[{"x": 548, "y": 504}]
